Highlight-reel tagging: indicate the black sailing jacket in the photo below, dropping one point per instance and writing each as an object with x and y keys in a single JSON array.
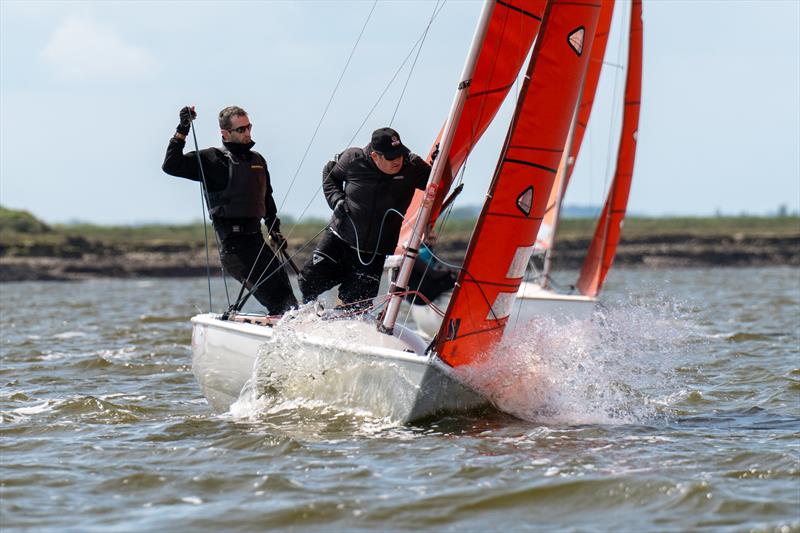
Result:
[
  {"x": 370, "y": 194},
  {"x": 216, "y": 167}
]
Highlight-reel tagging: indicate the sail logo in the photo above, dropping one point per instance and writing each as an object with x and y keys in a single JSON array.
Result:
[
  {"x": 316, "y": 258},
  {"x": 452, "y": 328},
  {"x": 575, "y": 40},
  {"x": 525, "y": 201}
]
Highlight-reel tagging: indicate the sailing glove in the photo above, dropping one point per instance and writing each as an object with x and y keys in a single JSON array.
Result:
[
  {"x": 187, "y": 115},
  {"x": 272, "y": 224},
  {"x": 340, "y": 209},
  {"x": 278, "y": 238}
]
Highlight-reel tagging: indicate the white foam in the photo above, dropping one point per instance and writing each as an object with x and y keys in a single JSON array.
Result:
[
  {"x": 617, "y": 368},
  {"x": 69, "y": 335}
]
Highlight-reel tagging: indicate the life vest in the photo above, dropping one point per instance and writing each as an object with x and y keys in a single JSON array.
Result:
[{"x": 247, "y": 188}]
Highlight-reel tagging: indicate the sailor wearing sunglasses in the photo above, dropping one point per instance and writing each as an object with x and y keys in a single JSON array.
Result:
[{"x": 239, "y": 194}]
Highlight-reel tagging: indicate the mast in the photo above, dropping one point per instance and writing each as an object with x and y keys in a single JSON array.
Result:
[{"x": 424, "y": 214}]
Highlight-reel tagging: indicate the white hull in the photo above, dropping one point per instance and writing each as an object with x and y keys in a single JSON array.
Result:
[
  {"x": 532, "y": 302},
  {"x": 345, "y": 363}
]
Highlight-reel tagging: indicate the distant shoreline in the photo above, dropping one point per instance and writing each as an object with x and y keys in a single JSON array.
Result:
[
  {"x": 174, "y": 261},
  {"x": 31, "y": 250}
]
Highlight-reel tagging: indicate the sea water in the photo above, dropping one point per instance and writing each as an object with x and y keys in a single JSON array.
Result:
[{"x": 676, "y": 408}]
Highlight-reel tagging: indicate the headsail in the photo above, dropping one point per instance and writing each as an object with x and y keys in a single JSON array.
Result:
[
  {"x": 512, "y": 29},
  {"x": 606, "y": 236},
  {"x": 546, "y": 237},
  {"x": 503, "y": 239}
]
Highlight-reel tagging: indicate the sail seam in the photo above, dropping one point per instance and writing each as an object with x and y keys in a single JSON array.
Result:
[
  {"x": 508, "y": 215},
  {"x": 493, "y": 283},
  {"x": 490, "y": 91},
  {"x": 530, "y": 164},
  {"x": 519, "y": 10},
  {"x": 534, "y": 148},
  {"x": 485, "y": 330}
]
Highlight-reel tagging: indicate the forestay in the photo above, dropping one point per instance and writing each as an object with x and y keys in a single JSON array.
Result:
[{"x": 504, "y": 236}]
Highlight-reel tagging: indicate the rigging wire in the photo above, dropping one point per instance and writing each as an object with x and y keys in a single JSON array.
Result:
[
  {"x": 319, "y": 188},
  {"x": 241, "y": 299},
  {"x": 328, "y": 105},
  {"x": 204, "y": 205},
  {"x": 391, "y": 81},
  {"x": 414, "y": 64}
]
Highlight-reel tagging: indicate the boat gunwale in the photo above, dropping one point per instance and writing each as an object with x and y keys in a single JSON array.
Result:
[{"x": 265, "y": 331}]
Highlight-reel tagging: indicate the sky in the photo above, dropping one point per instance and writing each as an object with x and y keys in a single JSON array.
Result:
[{"x": 90, "y": 94}]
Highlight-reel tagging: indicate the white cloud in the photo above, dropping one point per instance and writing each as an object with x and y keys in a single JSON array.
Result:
[{"x": 81, "y": 50}]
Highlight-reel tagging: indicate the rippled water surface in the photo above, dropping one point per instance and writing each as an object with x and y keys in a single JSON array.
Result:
[{"x": 677, "y": 408}]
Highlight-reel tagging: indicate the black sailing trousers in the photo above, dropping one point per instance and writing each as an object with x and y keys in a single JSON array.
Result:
[
  {"x": 333, "y": 263},
  {"x": 238, "y": 255}
]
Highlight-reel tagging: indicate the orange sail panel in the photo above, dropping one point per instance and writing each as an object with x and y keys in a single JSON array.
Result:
[
  {"x": 512, "y": 28},
  {"x": 544, "y": 241},
  {"x": 601, "y": 252},
  {"x": 503, "y": 239}
]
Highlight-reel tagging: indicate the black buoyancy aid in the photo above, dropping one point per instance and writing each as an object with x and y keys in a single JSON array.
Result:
[{"x": 244, "y": 197}]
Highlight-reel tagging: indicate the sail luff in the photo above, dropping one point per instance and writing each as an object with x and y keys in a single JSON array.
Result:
[
  {"x": 603, "y": 247},
  {"x": 512, "y": 29},
  {"x": 503, "y": 240}
]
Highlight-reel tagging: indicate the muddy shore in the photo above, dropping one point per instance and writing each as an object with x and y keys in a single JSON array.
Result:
[{"x": 86, "y": 259}]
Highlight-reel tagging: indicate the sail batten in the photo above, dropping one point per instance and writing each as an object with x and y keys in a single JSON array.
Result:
[{"x": 523, "y": 178}]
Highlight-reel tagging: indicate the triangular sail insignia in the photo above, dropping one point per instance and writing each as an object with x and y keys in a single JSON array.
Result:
[
  {"x": 525, "y": 201},
  {"x": 575, "y": 40}
]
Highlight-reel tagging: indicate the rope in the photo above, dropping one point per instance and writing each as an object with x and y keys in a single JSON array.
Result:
[
  {"x": 391, "y": 81},
  {"x": 378, "y": 240},
  {"x": 328, "y": 105},
  {"x": 204, "y": 205}
]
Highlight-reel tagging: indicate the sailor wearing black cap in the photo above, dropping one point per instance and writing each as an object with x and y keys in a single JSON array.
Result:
[{"x": 369, "y": 190}]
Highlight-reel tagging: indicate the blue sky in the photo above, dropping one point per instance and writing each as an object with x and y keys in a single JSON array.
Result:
[{"x": 90, "y": 91}]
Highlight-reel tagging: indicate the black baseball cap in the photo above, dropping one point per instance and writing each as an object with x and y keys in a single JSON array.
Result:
[{"x": 386, "y": 142}]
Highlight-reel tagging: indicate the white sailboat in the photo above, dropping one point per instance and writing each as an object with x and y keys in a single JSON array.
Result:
[{"x": 390, "y": 371}]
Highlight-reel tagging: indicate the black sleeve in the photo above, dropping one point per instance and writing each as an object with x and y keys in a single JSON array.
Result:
[
  {"x": 333, "y": 175},
  {"x": 422, "y": 170},
  {"x": 176, "y": 163},
  {"x": 269, "y": 201}
]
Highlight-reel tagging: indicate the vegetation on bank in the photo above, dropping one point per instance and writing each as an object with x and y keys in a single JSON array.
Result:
[{"x": 23, "y": 234}]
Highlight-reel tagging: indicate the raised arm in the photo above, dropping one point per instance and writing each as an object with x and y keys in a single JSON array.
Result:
[{"x": 176, "y": 163}]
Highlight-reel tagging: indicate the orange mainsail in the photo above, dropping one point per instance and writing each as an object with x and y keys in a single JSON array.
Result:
[
  {"x": 544, "y": 241},
  {"x": 512, "y": 28},
  {"x": 504, "y": 235},
  {"x": 609, "y": 227}
]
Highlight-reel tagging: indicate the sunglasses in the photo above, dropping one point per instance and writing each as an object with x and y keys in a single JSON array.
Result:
[
  {"x": 242, "y": 129},
  {"x": 391, "y": 158}
]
